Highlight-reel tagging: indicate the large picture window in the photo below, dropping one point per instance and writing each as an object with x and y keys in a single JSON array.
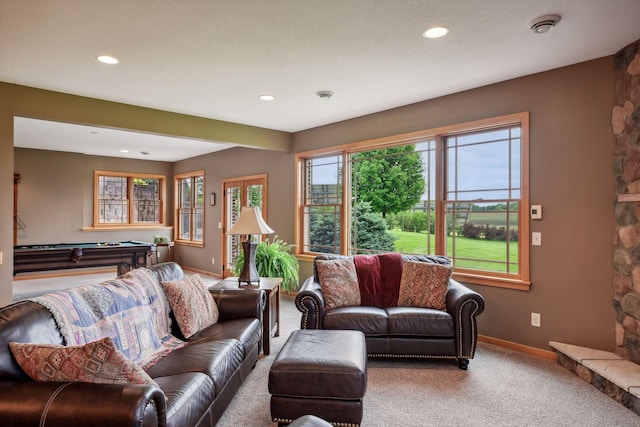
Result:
[
  {"x": 123, "y": 199},
  {"x": 190, "y": 208},
  {"x": 459, "y": 191}
]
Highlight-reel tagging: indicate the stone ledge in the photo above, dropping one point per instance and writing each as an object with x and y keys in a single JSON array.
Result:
[{"x": 616, "y": 377}]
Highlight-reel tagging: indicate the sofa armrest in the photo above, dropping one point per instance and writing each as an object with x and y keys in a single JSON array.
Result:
[
  {"x": 310, "y": 302},
  {"x": 464, "y": 305},
  {"x": 239, "y": 303},
  {"x": 31, "y": 403}
]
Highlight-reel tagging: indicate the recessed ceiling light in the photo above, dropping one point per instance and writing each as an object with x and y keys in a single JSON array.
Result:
[
  {"x": 324, "y": 94},
  {"x": 124, "y": 150},
  {"x": 267, "y": 97},
  {"x": 435, "y": 32},
  {"x": 106, "y": 59}
]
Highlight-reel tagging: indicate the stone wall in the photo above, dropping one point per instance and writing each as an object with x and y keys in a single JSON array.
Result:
[{"x": 625, "y": 122}]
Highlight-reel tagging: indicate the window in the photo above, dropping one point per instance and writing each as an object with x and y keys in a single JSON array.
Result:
[
  {"x": 190, "y": 208},
  {"x": 459, "y": 191},
  {"x": 322, "y": 204},
  {"x": 128, "y": 200}
]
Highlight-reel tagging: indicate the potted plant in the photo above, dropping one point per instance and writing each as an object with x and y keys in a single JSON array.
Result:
[
  {"x": 274, "y": 259},
  {"x": 161, "y": 240}
]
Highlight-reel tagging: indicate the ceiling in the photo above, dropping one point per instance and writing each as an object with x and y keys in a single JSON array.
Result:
[{"x": 213, "y": 58}]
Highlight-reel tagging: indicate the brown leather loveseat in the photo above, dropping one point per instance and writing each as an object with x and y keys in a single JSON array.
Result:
[
  {"x": 393, "y": 331},
  {"x": 195, "y": 383}
]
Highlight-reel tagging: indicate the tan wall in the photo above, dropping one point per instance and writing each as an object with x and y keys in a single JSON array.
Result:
[
  {"x": 55, "y": 196},
  {"x": 571, "y": 176},
  {"x": 233, "y": 163}
]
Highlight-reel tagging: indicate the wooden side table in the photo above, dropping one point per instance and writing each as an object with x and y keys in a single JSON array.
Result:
[{"x": 271, "y": 312}]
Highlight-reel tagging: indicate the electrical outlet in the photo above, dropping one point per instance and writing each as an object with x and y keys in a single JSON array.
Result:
[
  {"x": 213, "y": 260},
  {"x": 535, "y": 319},
  {"x": 536, "y": 238}
]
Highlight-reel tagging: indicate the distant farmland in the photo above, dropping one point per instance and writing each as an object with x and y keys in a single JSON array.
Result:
[{"x": 495, "y": 218}]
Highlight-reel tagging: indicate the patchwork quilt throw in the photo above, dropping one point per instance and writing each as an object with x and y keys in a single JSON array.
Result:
[{"x": 132, "y": 311}]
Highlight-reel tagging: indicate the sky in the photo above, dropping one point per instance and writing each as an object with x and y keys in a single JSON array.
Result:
[{"x": 480, "y": 166}]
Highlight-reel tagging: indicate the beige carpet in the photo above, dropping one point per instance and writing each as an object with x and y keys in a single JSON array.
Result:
[{"x": 501, "y": 387}]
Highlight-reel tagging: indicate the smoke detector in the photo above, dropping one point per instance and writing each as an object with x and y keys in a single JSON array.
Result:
[
  {"x": 324, "y": 94},
  {"x": 544, "y": 23}
]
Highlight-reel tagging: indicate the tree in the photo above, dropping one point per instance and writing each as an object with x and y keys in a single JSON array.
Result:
[
  {"x": 371, "y": 231},
  {"x": 370, "y": 228},
  {"x": 390, "y": 179}
]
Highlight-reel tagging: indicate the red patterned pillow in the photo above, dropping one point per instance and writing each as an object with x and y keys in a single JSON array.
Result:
[
  {"x": 96, "y": 362},
  {"x": 424, "y": 285},
  {"x": 192, "y": 304},
  {"x": 339, "y": 282}
]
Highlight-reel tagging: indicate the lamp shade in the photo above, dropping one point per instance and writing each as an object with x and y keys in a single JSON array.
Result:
[{"x": 250, "y": 222}]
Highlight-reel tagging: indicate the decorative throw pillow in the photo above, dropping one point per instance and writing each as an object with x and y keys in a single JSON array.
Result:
[
  {"x": 339, "y": 282},
  {"x": 96, "y": 362},
  {"x": 424, "y": 285},
  {"x": 192, "y": 304}
]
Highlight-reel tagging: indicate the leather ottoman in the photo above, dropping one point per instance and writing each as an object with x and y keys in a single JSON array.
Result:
[{"x": 321, "y": 373}]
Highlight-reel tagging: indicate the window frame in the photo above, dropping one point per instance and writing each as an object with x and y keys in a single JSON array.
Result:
[
  {"x": 130, "y": 199},
  {"x": 176, "y": 229},
  {"x": 519, "y": 281}
]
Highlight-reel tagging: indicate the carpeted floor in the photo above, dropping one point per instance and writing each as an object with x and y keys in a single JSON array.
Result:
[{"x": 501, "y": 387}]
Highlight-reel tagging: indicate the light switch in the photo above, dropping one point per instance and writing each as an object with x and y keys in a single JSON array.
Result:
[{"x": 536, "y": 238}]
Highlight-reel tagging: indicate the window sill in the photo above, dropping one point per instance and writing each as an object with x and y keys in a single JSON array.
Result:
[
  {"x": 305, "y": 257},
  {"x": 464, "y": 277},
  {"x": 498, "y": 282},
  {"x": 189, "y": 243},
  {"x": 127, "y": 227}
]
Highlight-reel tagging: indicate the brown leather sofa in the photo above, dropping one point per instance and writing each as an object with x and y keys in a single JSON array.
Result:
[
  {"x": 196, "y": 382},
  {"x": 401, "y": 331}
]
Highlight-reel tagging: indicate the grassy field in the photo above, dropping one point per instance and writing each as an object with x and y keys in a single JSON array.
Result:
[{"x": 470, "y": 253}]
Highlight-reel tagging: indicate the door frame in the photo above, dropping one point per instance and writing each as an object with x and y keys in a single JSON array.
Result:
[{"x": 243, "y": 182}]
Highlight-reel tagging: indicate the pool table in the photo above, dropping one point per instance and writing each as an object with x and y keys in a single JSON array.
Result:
[{"x": 125, "y": 255}]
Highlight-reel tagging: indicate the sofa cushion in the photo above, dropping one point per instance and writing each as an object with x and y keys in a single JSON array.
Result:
[
  {"x": 246, "y": 330},
  {"x": 422, "y": 322},
  {"x": 424, "y": 285},
  {"x": 217, "y": 359},
  {"x": 339, "y": 282},
  {"x": 188, "y": 397},
  {"x": 192, "y": 304},
  {"x": 371, "y": 321},
  {"x": 96, "y": 362}
]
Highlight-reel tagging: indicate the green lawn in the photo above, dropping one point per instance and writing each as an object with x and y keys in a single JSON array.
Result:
[{"x": 469, "y": 253}]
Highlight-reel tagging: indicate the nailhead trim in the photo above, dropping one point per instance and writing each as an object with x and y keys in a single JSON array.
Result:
[
  {"x": 473, "y": 329},
  {"x": 336, "y": 424},
  {"x": 305, "y": 314}
]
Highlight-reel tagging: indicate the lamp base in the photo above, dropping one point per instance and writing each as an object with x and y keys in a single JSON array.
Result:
[{"x": 249, "y": 272}]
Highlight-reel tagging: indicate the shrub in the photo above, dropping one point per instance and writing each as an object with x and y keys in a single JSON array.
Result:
[{"x": 273, "y": 259}]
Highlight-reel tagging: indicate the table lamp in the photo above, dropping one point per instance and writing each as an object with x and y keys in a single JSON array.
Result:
[{"x": 250, "y": 222}]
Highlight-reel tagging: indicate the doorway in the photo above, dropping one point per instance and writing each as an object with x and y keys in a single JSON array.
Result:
[{"x": 239, "y": 192}]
